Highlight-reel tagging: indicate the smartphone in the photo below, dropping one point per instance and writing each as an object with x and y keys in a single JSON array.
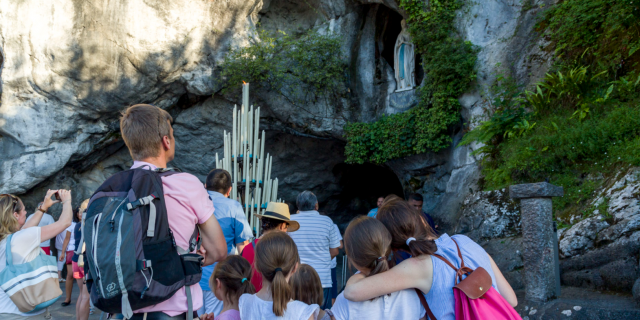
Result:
[{"x": 57, "y": 195}]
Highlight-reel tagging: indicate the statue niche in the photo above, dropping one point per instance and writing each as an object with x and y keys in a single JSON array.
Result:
[{"x": 404, "y": 60}]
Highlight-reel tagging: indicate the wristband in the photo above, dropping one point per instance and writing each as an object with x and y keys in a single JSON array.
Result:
[{"x": 40, "y": 209}]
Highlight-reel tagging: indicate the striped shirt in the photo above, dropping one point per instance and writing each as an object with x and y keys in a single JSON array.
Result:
[
  {"x": 314, "y": 239},
  {"x": 440, "y": 297},
  {"x": 334, "y": 261}
]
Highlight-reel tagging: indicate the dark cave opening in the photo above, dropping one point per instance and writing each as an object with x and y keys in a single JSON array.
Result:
[
  {"x": 388, "y": 27},
  {"x": 360, "y": 185}
]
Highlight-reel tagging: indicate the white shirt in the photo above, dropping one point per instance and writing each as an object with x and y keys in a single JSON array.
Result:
[
  {"x": 404, "y": 304},
  {"x": 25, "y": 246},
  {"x": 46, "y": 220},
  {"x": 314, "y": 239},
  {"x": 60, "y": 238},
  {"x": 253, "y": 308},
  {"x": 334, "y": 261}
]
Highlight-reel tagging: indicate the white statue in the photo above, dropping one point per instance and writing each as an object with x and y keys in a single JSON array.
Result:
[{"x": 404, "y": 60}]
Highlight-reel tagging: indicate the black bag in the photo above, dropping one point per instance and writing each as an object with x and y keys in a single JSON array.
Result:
[{"x": 131, "y": 255}]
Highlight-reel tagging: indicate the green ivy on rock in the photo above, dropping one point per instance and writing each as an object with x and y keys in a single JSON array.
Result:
[{"x": 448, "y": 62}]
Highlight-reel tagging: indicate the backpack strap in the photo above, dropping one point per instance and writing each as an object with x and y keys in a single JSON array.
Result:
[
  {"x": 425, "y": 305},
  {"x": 459, "y": 271},
  {"x": 148, "y": 200}
]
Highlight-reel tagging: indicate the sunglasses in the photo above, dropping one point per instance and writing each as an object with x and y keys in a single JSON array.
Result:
[{"x": 13, "y": 198}]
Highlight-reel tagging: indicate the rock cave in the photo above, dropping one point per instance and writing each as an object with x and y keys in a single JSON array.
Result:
[{"x": 69, "y": 68}]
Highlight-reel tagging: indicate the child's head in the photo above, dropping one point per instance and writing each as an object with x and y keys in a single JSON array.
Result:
[
  {"x": 307, "y": 286},
  {"x": 231, "y": 278},
  {"x": 367, "y": 243},
  {"x": 408, "y": 227},
  {"x": 277, "y": 258}
]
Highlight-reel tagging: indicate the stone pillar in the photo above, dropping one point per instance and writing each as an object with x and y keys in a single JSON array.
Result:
[{"x": 540, "y": 241}]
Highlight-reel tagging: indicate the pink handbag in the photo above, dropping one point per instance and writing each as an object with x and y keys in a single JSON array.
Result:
[{"x": 475, "y": 297}]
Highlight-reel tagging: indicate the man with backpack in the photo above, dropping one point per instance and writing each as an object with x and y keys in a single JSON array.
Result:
[{"x": 143, "y": 226}]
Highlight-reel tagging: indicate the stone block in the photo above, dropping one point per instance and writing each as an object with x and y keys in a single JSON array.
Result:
[
  {"x": 535, "y": 190},
  {"x": 538, "y": 254}
]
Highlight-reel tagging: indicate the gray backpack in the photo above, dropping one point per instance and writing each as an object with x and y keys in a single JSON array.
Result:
[{"x": 131, "y": 255}]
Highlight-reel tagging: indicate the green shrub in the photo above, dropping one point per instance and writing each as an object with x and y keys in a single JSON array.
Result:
[{"x": 290, "y": 65}]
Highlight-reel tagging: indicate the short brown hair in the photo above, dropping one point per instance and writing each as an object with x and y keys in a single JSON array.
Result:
[
  {"x": 234, "y": 273},
  {"x": 307, "y": 286},
  {"x": 219, "y": 180},
  {"x": 142, "y": 127}
]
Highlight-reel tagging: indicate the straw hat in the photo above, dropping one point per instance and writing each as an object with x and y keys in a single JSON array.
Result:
[{"x": 280, "y": 211}]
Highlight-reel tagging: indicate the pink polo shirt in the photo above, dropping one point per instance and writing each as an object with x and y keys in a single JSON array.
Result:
[{"x": 187, "y": 204}]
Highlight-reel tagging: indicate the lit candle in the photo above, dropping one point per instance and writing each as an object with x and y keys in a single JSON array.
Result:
[{"x": 245, "y": 94}]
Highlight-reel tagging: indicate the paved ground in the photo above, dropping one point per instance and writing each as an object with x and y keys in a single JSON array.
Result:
[
  {"x": 58, "y": 312},
  {"x": 575, "y": 303}
]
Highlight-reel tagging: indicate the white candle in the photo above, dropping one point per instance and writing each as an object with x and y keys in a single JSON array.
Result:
[
  {"x": 233, "y": 147},
  {"x": 249, "y": 128},
  {"x": 269, "y": 169},
  {"x": 265, "y": 199},
  {"x": 217, "y": 167},
  {"x": 275, "y": 189},
  {"x": 246, "y": 198},
  {"x": 262, "y": 145},
  {"x": 245, "y": 94},
  {"x": 258, "y": 176}
]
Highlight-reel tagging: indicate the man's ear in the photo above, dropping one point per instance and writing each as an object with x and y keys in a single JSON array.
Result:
[
  {"x": 317, "y": 206},
  {"x": 166, "y": 143}
]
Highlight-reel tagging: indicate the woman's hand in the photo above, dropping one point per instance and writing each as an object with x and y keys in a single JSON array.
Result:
[
  {"x": 61, "y": 257},
  {"x": 65, "y": 196},
  {"x": 48, "y": 202}
]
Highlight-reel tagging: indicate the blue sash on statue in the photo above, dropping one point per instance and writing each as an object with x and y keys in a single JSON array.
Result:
[{"x": 401, "y": 62}]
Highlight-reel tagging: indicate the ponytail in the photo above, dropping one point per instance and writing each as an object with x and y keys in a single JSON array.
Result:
[
  {"x": 409, "y": 230},
  {"x": 276, "y": 257},
  {"x": 367, "y": 243},
  {"x": 280, "y": 292}
]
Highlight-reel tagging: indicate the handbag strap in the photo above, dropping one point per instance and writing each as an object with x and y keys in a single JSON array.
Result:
[
  {"x": 425, "y": 305},
  {"x": 8, "y": 251}
]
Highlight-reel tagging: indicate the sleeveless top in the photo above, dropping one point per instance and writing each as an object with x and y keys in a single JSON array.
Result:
[{"x": 440, "y": 297}]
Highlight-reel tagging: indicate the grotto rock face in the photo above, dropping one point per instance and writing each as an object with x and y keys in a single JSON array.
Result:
[{"x": 68, "y": 67}]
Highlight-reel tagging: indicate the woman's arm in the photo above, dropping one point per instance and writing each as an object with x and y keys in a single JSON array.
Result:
[
  {"x": 503, "y": 285},
  {"x": 411, "y": 273},
  {"x": 67, "y": 237},
  {"x": 54, "y": 229},
  {"x": 37, "y": 216}
]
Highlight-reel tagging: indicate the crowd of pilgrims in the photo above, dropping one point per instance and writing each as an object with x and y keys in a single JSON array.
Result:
[{"x": 289, "y": 272}]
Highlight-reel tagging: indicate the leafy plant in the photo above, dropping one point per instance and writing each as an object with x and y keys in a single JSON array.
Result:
[{"x": 283, "y": 63}]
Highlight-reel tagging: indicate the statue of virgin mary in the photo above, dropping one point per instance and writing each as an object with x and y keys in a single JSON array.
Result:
[{"x": 404, "y": 60}]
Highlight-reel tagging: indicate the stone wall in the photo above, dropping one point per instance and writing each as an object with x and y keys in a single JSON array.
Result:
[{"x": 599, "y": 252}]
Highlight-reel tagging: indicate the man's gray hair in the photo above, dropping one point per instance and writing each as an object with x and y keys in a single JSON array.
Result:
[{"x": 306, "y": 201}]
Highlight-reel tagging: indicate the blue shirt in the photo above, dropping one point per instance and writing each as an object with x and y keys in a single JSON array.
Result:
[
  {"x": 234, "y": 225},
  {"x": 373, "y": 213}
]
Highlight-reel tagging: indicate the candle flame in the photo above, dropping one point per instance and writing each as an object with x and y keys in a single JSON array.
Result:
[{"x": 243, "y": 82}]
